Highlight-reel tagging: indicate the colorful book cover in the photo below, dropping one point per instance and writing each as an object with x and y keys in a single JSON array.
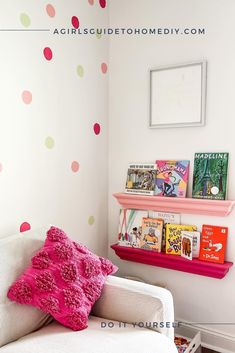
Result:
[
  {"x": 173, "y": 218},
  {"x": 173, "y": 237},
  {"x": 151, "y": 234},
  {"x": 210, "y": 175},
  {"x": 172, "y": 178},
  {"x": 141, "y": 179},
  {"x": 186, "y": 245},
  {"x": 213, "y": 243},
  {"x": 196, "y": 242},
  {"x": 130, "y": 227}
]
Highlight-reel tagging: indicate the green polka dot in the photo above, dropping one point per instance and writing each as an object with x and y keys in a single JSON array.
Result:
[
  {"x": 98, "y": 35},
  {"x": 49, "y": 142},
  {"x": 25, "y": 20},
  {"x": 80, "y": 71},
  {"x": 91, "y": 220}
]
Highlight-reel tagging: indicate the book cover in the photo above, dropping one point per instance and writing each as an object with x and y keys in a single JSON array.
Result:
[
  {"x": 210, "y": 175},
  {"x": 187, "y": 245},
  {"x": 173, "y": 237},
  {"x": 196, "y": 236},
  {"x": 213, "y": 243},
  {"x": 141, "y": 179},
  {"x": 172, "y": 178},
  {"x": 172, "y": 218},
  {"x": 130, "y": 227},
  {"x": 151, "y": 234}
]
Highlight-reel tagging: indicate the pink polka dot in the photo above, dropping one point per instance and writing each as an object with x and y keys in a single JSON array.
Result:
[
  {"x": 96, "y": 128},
  {"x": 47, "y": 53},
  {"x": 104, "y": 68},
  {"x": 91, "y": 2},
  {"x": 24, "y": 227},
  {"x": 27, "y": 97},
  {"x": 75, "y": 166},
  {"x": 1, "y": 167},
  {"x": 102, "y": 3},
  {"x": 75, "y": 22},
  {"x": 50, "y": 10}
]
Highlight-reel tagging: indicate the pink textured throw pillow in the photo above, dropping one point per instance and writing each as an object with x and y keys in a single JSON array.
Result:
[{"x": 64, "y": 280}]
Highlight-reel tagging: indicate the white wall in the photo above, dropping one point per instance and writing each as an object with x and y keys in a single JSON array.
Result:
[
  {"x": 37, "y": 184},
  {"x": 197, "y": 298}
]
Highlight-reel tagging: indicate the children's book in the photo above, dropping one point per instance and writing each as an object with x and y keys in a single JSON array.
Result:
[
  {"x": 187, "y": 245},
  {"x": 210, "y": 175},
  {"x": 152, "y": 234},
  {"x": 130, "y": 227},
  {"x": 172, "y": 178},
  {"x": 213, "y": 243},
  {"x": 141, "y": 179},
  {"x": 173, "y": 218},
  {"x": 196, "y": 242},
  {"x": 173, "y": 237}
]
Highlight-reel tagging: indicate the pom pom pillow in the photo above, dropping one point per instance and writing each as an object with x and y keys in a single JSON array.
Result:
[{"x": 64, "y": 279}]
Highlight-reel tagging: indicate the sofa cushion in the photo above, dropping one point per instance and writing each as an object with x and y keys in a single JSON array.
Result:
[
  {"x": 98, "y": 338},
  {"x": 15, "y": 254},
  {"x": 65, "y": 279}
]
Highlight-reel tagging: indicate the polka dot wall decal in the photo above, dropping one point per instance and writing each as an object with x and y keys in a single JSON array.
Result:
[
  {"x": 96, "y": 128},
  {"x": 49, "y": 142},
  {"x": 50, "y": 10},
  {"x": 75, "y": 22},
  {"x": 47, "y": 52},
  {"x": 91, "y": 220},
  {"x": 25, "y": 20},
  {"x": 27, "y": 97},
  {"x": 91, "y": 2},
  {"x": 1, "y": 167},
  {"x": 102, "y": 3},
  {"x": 104, "y": 68},
  {"x": 75, "y": 166},
  {"x": 98, "y": 35},
  {"x": 80, "y": 71},
  {"x": 24, "y": 227}
]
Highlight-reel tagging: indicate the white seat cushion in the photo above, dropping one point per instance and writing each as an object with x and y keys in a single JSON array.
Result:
[
  {"x": 15, "y": 253},
  {"x": 95, "y": 339}
]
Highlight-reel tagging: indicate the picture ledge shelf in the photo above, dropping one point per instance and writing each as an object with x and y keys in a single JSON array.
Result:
[
  {"x": 173, "y": 204},
  {"x": 173, "y": 262}
]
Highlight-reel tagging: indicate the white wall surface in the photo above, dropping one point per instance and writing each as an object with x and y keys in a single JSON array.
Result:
[
  {"x": 37, "y": 184},
  {"x": 197, "y": 298}
]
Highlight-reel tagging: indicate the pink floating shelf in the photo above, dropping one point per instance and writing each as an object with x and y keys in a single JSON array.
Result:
[
  {"x": 178, "y": 205},
  {"x": 173, "y": 262}
]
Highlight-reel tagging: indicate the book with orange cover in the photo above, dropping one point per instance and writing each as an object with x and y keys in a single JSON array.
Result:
[{"x": 213, "y": 243}]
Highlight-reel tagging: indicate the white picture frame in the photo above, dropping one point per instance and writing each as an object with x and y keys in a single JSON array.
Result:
[{"x": 178, "y": 95}]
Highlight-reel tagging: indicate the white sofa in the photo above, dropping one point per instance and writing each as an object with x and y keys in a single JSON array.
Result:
[{"x": 117, "y": 324}]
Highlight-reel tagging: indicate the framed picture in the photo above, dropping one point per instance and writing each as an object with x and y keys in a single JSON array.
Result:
[{"x": 178, "y": 95}]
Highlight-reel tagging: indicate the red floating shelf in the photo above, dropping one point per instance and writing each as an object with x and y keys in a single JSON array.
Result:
[
  {"x": 172, "y": 262},
  {"x": 175, "y": 204}
]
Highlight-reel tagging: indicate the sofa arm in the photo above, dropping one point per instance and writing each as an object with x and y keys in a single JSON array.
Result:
[{"x": 129, "y": 301}]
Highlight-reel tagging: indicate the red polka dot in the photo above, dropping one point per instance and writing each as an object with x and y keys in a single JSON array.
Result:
[
  {"x": 75, "y": 166},
  {"x": 24, "y": 227},
  {"x": 75, "y": 22},
  {"x": 97, "y": 128},
  {"x": 104, "y": 68},
  {"x": 48, "y": 53},
  {"x": 102, "y": 3},
  {"x": 50, "y": 10}
]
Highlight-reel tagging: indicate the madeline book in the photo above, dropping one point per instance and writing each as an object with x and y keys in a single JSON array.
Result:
[
  {"x": 173, "y": 237},
  {"x": 213, "y": 243},
  {"x": 130, "y": 227},
  {"x": 141, "y": 179},
  {"x": 173, "y": 218},
  {"x": 151, "y": 234},
  {"x": 210, "y": 175},
  {"x": 172, "y": 178}
]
